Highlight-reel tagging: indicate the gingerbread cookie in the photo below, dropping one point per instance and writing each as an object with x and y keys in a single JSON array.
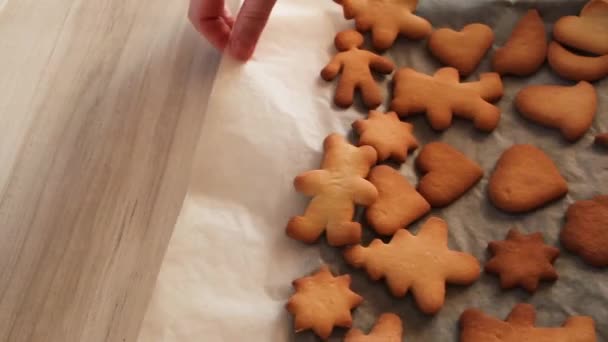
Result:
[
  {"x": 448, "y": 174},
  {"x": 602, "y": 139},
  {"x": 388, "y": 328},
  {"x": 571, "y": 109},
  {"x": 336, "y": 188},
  {"x": 522, "y": 260},
  {"x": 398, "y": 204},
  {"x": 442, "y": 96},
  {"x": 525, "y": 178},
  {"x": 475, "y": 326},
  {"x": 586, "y": 32},
  {"x": 356, "y": 66},
  {"x": 390, "y": 137},
  {"x": 586, "y": 230},
  {"x": 526, "y": 50},
  {"x": 575, "y": 67},
  {"x": 463, "y": 49},
  {"x": 322, "y": 302},
  {"x": 386, "y": 19},
  {"x": 422, "y": 263}
]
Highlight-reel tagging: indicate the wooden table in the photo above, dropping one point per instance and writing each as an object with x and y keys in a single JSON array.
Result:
[{"x": 101, "y": 103}]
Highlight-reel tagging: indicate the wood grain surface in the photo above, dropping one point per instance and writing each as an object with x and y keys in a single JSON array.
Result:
[{"x": 101, "y": 104}]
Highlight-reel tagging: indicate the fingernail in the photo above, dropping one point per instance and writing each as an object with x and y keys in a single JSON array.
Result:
[{"x": 240, "y": 50}]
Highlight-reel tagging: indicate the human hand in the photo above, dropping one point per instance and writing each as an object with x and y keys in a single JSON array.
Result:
[{"x": 237, "y": 37}]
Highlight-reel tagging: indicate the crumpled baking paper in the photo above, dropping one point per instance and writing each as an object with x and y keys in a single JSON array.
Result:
[{"x": 228, "y": 269}]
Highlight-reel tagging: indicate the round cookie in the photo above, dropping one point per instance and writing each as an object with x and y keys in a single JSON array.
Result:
[{"x": 586, "y": 230}]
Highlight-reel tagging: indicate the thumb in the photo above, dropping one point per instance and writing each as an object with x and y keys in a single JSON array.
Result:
[{"x": 248, "y": 27}]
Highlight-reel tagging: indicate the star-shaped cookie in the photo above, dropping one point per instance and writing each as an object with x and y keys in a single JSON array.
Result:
[
  {"x": 388, "y": 328},
  {"x": 322, "y": 301},
  {"x": 391, "y": 137},
  {"x": 522, "y": 260},
  {"x": 422, "y": 263}
]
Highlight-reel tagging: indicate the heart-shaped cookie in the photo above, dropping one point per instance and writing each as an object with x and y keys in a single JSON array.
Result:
[
  {"x": 571, "y": 109},
  {"x": 525, "y": 178},
  {"x": 588, "y": 31},
  {"x": 463, "y": 49},
  {"x": 398, "y": 204},
  {"x": 448, "y": 174}
]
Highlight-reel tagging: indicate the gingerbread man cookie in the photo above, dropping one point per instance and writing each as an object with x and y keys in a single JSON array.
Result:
[
  {"x": 398, "y": 204},
  {"x": 388, "y": 328},
  {"x": 442, "y": 96},
  {"x": 321, "y": 302},
  {"x": 356, "y": 67},
  {"x": 475, "y": 326},
  {"x": 463, "y": 49},
  {"x": 586, "y": 230},
  {"x": 422, "y": 263},
  {"x": 522, "y": 260},
  {"x": 386, "y": 19},
  {"x": 526, "y": 50},
  {"x": 335, "y": 188},
  {"x": 571, "y": 109},
  {"x": 390, "y": 137}
]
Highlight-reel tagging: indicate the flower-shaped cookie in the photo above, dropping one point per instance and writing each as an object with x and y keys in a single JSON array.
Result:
[
  {"x": 322, "y": 301},
  {"x": 522, "y": 260}
]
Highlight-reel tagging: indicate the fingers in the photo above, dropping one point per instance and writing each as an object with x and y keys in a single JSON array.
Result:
[
  {"x": 213, "y": 20},
  {"x": 248, "y": 27}
]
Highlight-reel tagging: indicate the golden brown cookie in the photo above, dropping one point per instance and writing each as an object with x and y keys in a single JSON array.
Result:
[
  {"x": 388, "y": 328},
  {"x": 422, "y": 263},
  {"x": 463, "y": 49},
  {"x": 588, "y": 31},
  {"x": 442, "y": 96},
  {"x": 386, "y": 19},
  {"x": 571, "y": 109},
  {"x": 575, "y": 67},
  {"x": 524, "y": 179},
  {"x": 602, "y": 139},
  {"x": 586, "y": 230},
  {"x": 522, "y": 260},
  {"x": 355, "y": 66},
  {"x": 322, "y": 302},
  {"x": 475, "y": 326},
  {"x": 398, "y": 204},
  {"x": 447, "y": 174},
  {"x": 335, "y": 189},
  {"x": 526, "y": 50},
  {"x": 391, "y": 137}
]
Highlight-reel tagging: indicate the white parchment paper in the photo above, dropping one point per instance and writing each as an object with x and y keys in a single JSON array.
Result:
[{"x": 228, "y": 269}]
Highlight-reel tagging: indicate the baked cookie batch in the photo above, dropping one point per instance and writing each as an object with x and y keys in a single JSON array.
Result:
[{"x": 422, "y": 264}]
